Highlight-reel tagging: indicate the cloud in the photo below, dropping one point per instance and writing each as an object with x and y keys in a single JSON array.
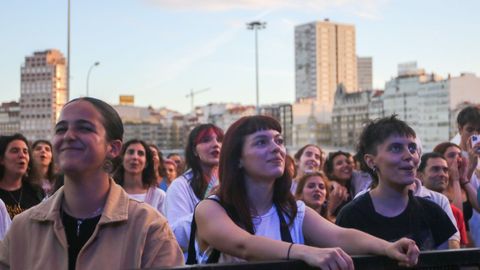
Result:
[{"x": 369, "y": 9}]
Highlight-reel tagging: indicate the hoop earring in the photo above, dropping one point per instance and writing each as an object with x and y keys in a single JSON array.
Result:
[
  {"x": 108, "y": 166},
  {"x": 375, "y": 169}
]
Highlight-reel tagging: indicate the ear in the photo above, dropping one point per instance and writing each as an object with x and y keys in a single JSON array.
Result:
[
  {"x": 369, "y": 160},
  {"x": 113, "y": 149}
]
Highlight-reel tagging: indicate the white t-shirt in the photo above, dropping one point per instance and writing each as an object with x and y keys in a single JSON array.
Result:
[
  {"x": 179, "y": 206},
  {"x": 267, "y": 225},
  {"x": 154, "y": 197}
]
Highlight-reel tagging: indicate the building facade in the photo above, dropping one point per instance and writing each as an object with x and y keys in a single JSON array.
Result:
[
  {"x": 9, "y": 118},
  {"x": 284, "y": 114},
  {"x": 365, "y": 73},
  {"x": 350, "y": 113},
  {"x": 42, "y": 93},
  {"x": 428, "y": 102},
  {"x": 325, "y": 56}
]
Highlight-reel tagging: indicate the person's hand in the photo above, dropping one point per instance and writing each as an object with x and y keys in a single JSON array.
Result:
[
  {"x": 338, "y": 194},
  {"x": 454, "y": 170},
  {"x": 324, "y": 258},
  {"x": 463, "y": 169},
  {"x": 405, "y": 251}
]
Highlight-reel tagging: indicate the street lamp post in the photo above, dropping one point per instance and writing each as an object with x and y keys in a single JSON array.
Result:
[
  {"x": 256, "y": 25},
  {"x": 68, "y": 52},
  {"x": 88, "y": 74}
]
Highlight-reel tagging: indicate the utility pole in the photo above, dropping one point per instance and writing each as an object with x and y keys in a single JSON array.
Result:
[{"x": 256, "y": 25}]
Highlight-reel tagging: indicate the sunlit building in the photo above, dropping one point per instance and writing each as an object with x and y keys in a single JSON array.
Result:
[
  {"x": 42, "y": 93},
  {"x": 325, "y": 56}
]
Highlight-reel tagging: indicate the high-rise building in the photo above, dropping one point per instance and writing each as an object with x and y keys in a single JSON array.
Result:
[
  {"x": 325, "y": 57},
  {"x": 365, "y": 77},
  {"x": 42, "y": 93}
]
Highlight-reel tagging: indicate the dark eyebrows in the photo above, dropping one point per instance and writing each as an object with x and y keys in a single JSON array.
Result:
[{"x": 77, "y": 122}]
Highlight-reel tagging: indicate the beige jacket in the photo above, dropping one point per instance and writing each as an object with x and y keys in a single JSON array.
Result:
[{"x": 130, "y": 234}]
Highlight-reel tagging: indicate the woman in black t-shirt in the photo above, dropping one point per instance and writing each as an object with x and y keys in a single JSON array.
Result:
[
  {"x": 15, "y": 163},
  {"x": 389, "y": 153}
]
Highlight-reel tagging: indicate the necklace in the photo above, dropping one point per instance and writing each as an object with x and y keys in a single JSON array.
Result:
[
  {"x": 81, "y": 220},
  {"x": 19, "y": 197}
]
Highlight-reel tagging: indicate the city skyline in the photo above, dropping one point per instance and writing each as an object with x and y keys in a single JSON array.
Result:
[{"x": 158, "y": 50}]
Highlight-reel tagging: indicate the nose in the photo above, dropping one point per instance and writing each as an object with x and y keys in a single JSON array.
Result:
[
  {"x": 69, "y": 134},
  {"x": 22, "y": 154}
]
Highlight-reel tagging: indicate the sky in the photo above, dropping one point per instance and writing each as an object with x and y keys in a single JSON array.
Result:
[{"x": 160, "y": 50}]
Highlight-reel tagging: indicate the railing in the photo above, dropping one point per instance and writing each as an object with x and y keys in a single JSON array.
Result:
[{"x": 465, "y": 259}]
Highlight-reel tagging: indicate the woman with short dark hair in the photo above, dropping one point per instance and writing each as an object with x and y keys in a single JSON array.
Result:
[{"x": 390, "y": 211}]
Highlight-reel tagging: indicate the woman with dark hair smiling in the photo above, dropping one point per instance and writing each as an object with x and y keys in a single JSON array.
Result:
[
  {"x": 90, "y": 222},
  {"x": 201, "y": 178},
  {"x": 389, "y": 210},
  {"x": 339, "y": 170},
  {"x": 136, "y": 174},
  {"x": 254, "y": 216}
]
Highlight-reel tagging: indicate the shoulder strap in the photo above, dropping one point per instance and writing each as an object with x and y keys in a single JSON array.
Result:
[
  {"x": 192, "y": 253},
  {"x": 284, "y": 231}
]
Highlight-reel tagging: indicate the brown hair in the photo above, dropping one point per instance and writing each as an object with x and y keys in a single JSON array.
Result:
[{"x": 233, "y": 190}]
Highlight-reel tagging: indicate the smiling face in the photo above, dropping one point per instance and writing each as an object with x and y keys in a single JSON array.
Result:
[
  {"x": 79, "y": 142},
  {"x": 15, "y": 159},
  {"x": 134, "y": 159},
  {"x": 396, "y": 161},
  {"x": 310, "y": 160},
  {"x": 263, "y": 155},
  {"x": 435, "y": 175},
  {"x": 342, "y": 168},
  {"x": 314, "y": 192},
  {"x": 208, "y": 149},
  {"x": 42, "y": 154}
]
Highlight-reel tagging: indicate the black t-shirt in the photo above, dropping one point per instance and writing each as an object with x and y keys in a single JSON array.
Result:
[
  {"x": 21, "y": 199},
  {"x": 78, "y": 231},
  {"x": 422, "y": 220}
]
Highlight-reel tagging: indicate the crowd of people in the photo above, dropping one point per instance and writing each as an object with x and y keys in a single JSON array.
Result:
[{"x": 88, "y": 200}]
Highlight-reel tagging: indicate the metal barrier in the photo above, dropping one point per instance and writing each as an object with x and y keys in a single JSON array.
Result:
[{"x": 464, "y": 259}]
